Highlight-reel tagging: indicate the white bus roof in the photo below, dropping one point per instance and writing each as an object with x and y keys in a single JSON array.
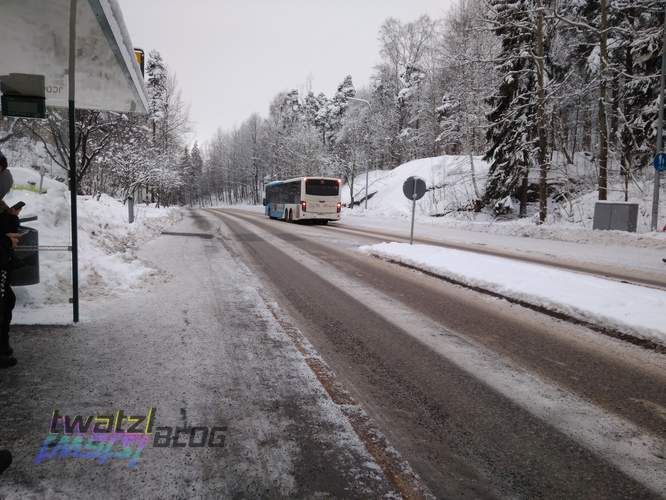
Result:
[{"x": 307, "y": 177}]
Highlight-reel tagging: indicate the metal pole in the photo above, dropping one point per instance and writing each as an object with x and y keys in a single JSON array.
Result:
[
  {"x": 411, "y": 234},
  {"x": 42, "y": 172},
  {"x": 660, "y": 131},
  {"x": 367, "y": 169},
  {"x": 73, "y": 188},
  {"x": 130, "y": 209}
]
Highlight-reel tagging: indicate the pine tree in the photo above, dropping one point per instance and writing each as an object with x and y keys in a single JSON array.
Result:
[
  {"x": 156, "y": 85},
  {"x": 330, "y": 115},
  {"x": 186, "y": 176},
  {"x": 640, "y": 32},
  {"x": 196, "y": 172},
  {"x": 512, "y": 133}
]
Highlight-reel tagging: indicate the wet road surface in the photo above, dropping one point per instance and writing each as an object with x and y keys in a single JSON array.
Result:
[
  {"x": 202, "y": 345},
  {"x": 463, "y": 436}
]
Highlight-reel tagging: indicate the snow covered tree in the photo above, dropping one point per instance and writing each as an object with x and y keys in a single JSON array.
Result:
[
  {"x": 512, "y": 131},
  {"x": 636, "y": 53},
  {"x": 95, "y": 133},
  {"x": 157, "y": 86},
  {"x": 350, "y": 154},
  {"x": 330, "y": 114},
  {"x": 168, "y": 112},
  {"x": 130, "y": 163},
  {"x": 466, "y": 56},
  {"x": 194, "y": 174}
]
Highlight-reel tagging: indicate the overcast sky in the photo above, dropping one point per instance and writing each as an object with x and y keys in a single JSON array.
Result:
[{"x": 232, "y": 56}]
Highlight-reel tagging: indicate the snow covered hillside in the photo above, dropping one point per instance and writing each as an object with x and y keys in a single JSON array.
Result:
[
  {"x": 454, "y": 185},
  {"x": 107, "y": 264},
  {"x": 451, "y": 180}
]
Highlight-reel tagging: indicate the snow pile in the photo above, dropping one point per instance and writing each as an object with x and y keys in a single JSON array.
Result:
[
  {"x": 631, "y": 309},
  {"x": 107, "y": 264},
  {"x": 449, "y": 179}
]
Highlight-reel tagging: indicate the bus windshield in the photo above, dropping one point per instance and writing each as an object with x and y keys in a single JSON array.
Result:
[{"x": 322, "y": 187}]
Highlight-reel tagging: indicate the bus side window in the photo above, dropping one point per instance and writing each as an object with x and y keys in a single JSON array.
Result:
[{"x": 295, "y": 192}]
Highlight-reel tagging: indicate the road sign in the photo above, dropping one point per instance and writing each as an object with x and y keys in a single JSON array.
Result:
[
  {"x": 414, "y": 188},
  {"x": 660, "y": 162}
]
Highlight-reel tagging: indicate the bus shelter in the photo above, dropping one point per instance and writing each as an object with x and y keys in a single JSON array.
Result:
[{"x": 69, "y": 54}]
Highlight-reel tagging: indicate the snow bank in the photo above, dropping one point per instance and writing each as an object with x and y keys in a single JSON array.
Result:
[
  {"x": 449, "y": 179},
  {"x": 452, "y": 192},
  {"x": 632, "y": 309},
  {"x": 106, "y": 244}
]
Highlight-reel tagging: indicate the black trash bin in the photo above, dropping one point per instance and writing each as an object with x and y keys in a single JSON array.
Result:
[{"x": 27, "y": 275}]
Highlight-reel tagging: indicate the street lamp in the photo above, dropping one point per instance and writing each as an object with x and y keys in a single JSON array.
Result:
[{"x": 367, "y": 166}]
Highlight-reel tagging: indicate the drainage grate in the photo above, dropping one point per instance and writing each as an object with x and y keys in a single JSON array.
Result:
[{"x": 207, "y": 236}]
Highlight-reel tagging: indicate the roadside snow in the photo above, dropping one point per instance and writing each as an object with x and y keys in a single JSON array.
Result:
[
  {"x": 483, "y": 227},
  {"x": 629, "y": 308},
  {"x": 454, "y": 186},
  {"x": 107, "y": 245}
]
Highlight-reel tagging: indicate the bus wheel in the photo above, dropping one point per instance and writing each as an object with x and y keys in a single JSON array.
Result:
[
  {"x": 324, "y": 223},
  {"x": 291, "y": 216}
]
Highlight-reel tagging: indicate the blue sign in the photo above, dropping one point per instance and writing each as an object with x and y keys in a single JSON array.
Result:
[{"x": 660, "y": 162}]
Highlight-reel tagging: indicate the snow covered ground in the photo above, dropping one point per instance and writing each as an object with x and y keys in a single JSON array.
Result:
[
  {"x": 632, "y": 309},
  {"x": 107, "y": 244},
  {"x": 447, "y": 205},
  {"x": 206, "y": 349},
  {"x": 451, "y": 178}
]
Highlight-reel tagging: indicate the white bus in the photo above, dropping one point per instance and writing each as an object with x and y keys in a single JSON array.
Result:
[{"x": 306, "y": 198}]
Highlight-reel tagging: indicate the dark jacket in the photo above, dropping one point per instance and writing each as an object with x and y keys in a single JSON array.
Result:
[{"x": 8, "y": 260}]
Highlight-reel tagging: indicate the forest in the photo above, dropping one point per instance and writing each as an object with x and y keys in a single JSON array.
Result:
[{"x": 559, "y": 97}]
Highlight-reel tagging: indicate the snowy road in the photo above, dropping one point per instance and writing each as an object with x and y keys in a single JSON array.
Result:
[
  {"x": 205, "y": 348},
  {"x": 484, "y": 398}
]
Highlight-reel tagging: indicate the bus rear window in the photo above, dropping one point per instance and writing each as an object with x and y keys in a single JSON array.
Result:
[{"x": 322, "y": 187}]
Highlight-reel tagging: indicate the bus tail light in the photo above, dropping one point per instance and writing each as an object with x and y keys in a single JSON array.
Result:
[
  {"x": 339, "y": 207},
  {"x": 304, "y": 206}
]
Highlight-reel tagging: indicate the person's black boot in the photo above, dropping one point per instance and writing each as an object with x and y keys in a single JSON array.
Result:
[
  {"x": 5, "y": 460},
  {"x": 7, "y": 361}
]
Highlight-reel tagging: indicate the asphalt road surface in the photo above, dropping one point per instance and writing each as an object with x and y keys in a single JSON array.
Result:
[
  {"x": 203, "y": 346},
  {"x": 483, "y": 398},
  {"x": 336, "y": 375}
]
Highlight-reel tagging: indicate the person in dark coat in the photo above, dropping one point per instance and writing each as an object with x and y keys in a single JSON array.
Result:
[
  {"x": 9, "y": 223},
  {"x": 7, "y": 244},
  {"x": 8, "y": 260}
]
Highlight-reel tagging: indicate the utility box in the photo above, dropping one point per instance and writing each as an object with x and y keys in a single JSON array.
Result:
[
  {"x": 616, "y": 216},
  {"x": 27, "y": 275}
]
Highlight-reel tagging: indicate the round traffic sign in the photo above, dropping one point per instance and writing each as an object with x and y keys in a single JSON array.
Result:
[{"x": 414, "y": 188}]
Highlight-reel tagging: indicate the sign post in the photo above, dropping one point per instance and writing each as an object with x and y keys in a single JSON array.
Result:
[
  {"x": 130, "y": 209},
  {"x": 414, "y": 188}
]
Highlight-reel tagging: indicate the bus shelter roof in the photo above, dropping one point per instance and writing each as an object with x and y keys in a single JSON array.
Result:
[{"x": 34, "y": 39}]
